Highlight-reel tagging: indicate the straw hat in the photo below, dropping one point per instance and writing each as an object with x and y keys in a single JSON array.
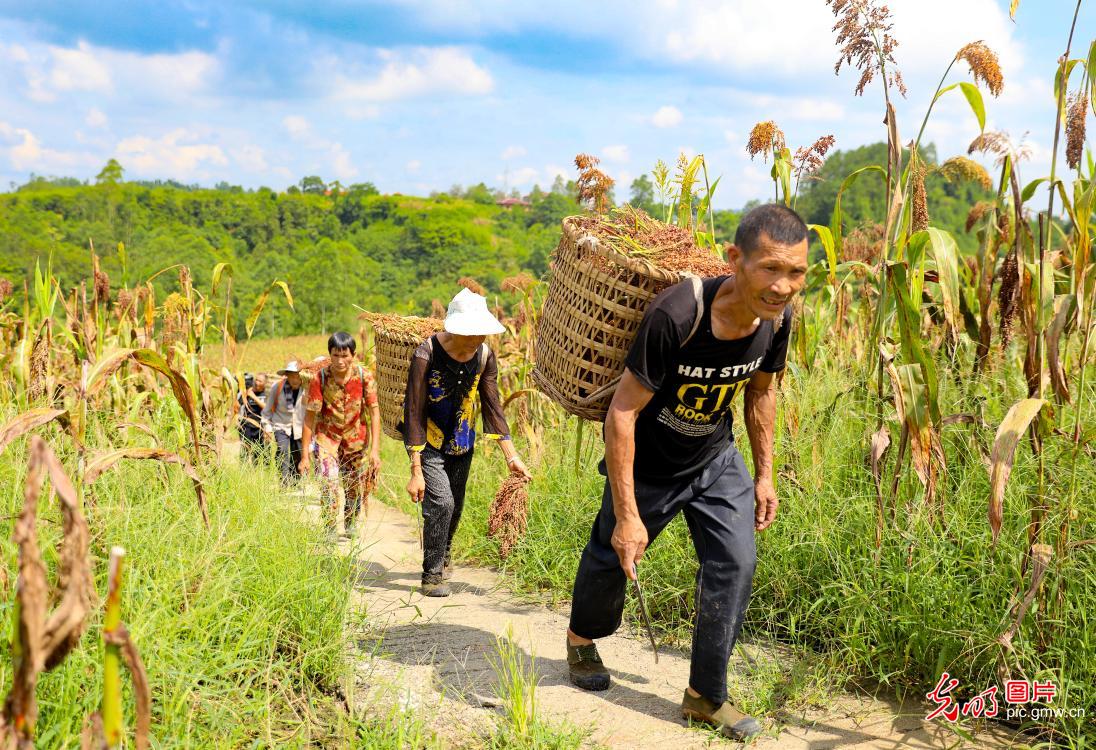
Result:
[
  {"x": 292, "y": 366},
  {"x": 468, "y": 316}
]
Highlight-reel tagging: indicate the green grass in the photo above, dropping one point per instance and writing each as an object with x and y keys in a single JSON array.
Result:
[
  {"x": 241, "y": 627},
  {"x": 520, "y": 727},
  {"x": 934, "y": 597},
  {"x": 270, "y": 354}
]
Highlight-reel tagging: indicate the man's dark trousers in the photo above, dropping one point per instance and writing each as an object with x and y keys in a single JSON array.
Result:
[
  {"x": 718, "y": 504},
  {"x": 289, "y": 456}
]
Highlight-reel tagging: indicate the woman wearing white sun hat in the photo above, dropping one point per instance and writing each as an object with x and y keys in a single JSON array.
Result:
[{"x": 447, "y": 372}]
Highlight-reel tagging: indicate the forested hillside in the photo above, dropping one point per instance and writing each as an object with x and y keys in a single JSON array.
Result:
[
  {"x": 949, "y": 200},
  {"x": 338, "y": 247},
  {"x": 382, "y": 252}
]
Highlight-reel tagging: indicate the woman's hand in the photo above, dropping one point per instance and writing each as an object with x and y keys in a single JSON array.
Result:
[
  {"x": 416, "y": 488},
  {"x": 518, "y": 468}
]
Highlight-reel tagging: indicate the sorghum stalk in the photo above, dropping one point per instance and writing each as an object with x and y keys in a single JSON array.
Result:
[{"x": 112, "y": 656}]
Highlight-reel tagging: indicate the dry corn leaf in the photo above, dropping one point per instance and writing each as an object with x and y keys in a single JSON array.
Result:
[
  {"x": 1064, "y": 308},
  {"x": 105, "y": 461},
  {"x": 41, "y": 642},
  {"x": 23, "y": 423},
  {"x": 1040, "y": 555},
  {"x": 1004, "y": 452}
]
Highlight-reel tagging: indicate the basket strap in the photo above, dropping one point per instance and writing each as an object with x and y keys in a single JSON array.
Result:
[
  {"x": 606, "y": 390},
  {"x": 698, "y": 295}
]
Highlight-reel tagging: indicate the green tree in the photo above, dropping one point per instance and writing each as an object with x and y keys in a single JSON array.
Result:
[
  {"x": 312, "y": 185},
  {"x": 480, "y": 194},
  {"x": 111, "y": 174},
  {"x": 643, "y": 194},
  {"x": 362, "y": 190}
]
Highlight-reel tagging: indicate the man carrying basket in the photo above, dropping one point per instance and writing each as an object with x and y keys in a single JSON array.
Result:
[{"x": 669, "y": 448}]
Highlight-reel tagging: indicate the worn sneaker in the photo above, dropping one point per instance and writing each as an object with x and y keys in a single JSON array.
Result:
[
  {"x": 726, "y": 719},
  {"x": 433, "y": 585},
  {"x": 585, "y": 667}
]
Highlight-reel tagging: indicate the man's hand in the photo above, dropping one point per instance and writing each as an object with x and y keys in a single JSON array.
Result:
[
  {"x": 416, "y": 488},
  {"x": 306, "y": 462},
  {"x": 765, "y": 503},
  {"x": 629, "y": 541},
  {"x": 518, "y": 468}
]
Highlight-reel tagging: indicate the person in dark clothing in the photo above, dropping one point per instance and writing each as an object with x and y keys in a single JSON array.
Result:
[
  {"x": 669, "y": 449},
  {"x": 251, "y": 413},
  {"x": 447, "y": 372},
  {"x": 283, "y": 420}
]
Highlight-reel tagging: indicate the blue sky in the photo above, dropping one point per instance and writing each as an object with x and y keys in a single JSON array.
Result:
[{"x": 416, "y": 95}]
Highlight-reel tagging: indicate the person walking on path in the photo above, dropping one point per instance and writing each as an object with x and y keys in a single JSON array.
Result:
[
  {"x": 342, "y": 412},
  {"x": 283, "y": 419},
  {"x": 251, "y": 403},
  {"x": 447, "y": 372},
  {"x": 669, "y": 448}
]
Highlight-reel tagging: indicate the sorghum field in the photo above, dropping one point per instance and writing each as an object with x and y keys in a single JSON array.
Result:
[{"x": 935, "y": 454}]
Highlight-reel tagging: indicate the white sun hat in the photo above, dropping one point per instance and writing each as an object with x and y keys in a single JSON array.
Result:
[
  {"x": 468, "y": 316},
  {"x": 292, "y": 366}
]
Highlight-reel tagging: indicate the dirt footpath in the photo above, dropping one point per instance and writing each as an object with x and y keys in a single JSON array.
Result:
[{"x": 436, "y": 655}]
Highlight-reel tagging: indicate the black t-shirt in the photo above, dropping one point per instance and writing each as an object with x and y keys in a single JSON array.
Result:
[{"x": 688, "y": 421}]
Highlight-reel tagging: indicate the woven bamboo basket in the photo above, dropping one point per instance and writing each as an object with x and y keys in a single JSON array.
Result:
[
  {"x": 595, "y": 303},
  {"x": 394, "y": 346}
]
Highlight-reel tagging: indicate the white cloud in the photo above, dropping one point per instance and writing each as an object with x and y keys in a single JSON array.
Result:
[
  {"x": 173, "y": 154},
  {"x": 336, "y": 157},
  {"x": 424, "y": 71},
  {"x": 26, "y": 153},
  {"x": 250, "y": 157},
  {"x": 184, "y": 73},
  {"x": 737, "y": 36},
  {"x": 667, "y": 117},
  {"x": 95, "y": 118},
  {"x": 554, "y": 170},
  {"x": 617, "y": 153},
  {"x": 79, "y": 69},
  {"x": 24, "y": 150},
  {"x": 50, "y": 72},
  {"x": 359, "y": 111},
  {"x": 296, "y": 126},
  {"x": 791, "y": 38},
  {"x": 513, "y": 152},
  {"x": 524, "y": 176},
  {"x": 800, "y": 108},
  {"x": 341, "y": 163},
  {"x": 414, "y": 165}
]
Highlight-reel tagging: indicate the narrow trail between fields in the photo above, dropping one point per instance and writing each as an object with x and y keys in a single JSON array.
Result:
[{"x": 435, "y": 656}]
